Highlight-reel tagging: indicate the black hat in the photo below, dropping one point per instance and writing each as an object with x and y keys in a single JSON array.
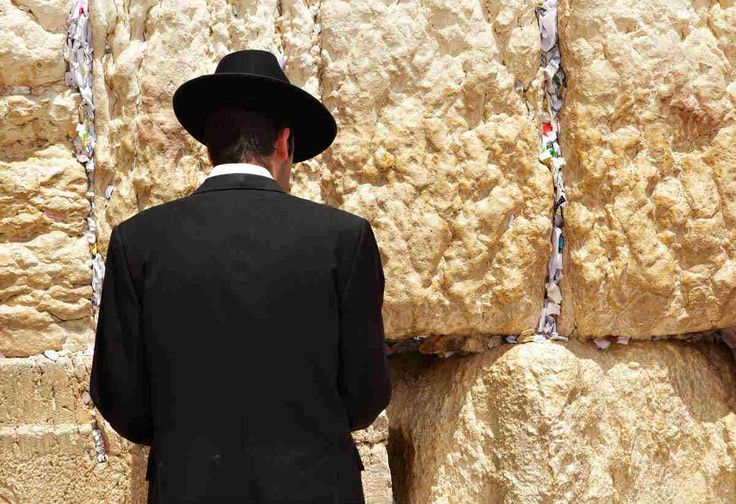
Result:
[{"x": 254, "y": 78}]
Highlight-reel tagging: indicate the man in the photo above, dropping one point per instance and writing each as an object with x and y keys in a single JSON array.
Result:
[{"x": 240, "y": 331}]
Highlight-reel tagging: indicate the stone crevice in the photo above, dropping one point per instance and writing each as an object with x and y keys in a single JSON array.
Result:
[
  {"x": 78, "y": 54},
  {"x": 320, "y": 59},
  {"x": 551, "y": 156}
]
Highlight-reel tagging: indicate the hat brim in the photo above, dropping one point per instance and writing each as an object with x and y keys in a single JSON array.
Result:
[{"x": 313, "y": 125}]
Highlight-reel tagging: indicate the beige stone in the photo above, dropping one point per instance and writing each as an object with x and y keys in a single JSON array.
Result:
[
  {"x": 38, "y": 124},
  {"x": 45, "y": 287},
  {"x": 376, "y": 476},
  {"x": 565, "y": 423},
  {"x": 34, "y": 41},
  {"x": 57, "y": 465},
  {"x": 45, "y": 261},
  {"x": 37, "y": 390},
  {"x": 435, "y": 147},
  {"x": 649, "y": 133},
  {"x": 43, "y": 194},
  {"x": 47, "y": 451},
  {"x": 437, "y": 150}
]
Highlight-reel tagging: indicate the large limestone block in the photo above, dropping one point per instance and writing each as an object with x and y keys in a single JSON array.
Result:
[
  {"x": 44, "y": 284},
  {"x": 37, "y": 390},
  {"x": 43, "y": 194},
  {"x": 47, "y": 450},
  {"x": 32, "y": 39},
  {"x": 57, "y": 465},
  {"x": 546, "y": 422},
  {"x": 44, "y": 257},
  {"x": 437, "y": 150},
  {"x": 649, "y": 133},
  {"x": 436, "y": 146},
  {"x": 35, "y": 119}
]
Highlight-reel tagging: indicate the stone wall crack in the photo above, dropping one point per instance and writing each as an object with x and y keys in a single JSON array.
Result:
[
  {"x": 551, "y": 156},
  {"x": 78, "y": 54}
]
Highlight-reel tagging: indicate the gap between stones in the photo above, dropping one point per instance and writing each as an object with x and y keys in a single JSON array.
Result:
[
  {"x": 78, "y": 54},
  {"x": 551, "y": 156}
]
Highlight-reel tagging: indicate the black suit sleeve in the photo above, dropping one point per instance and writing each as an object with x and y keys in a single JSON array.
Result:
[
  {"x": 119, "y": 375},
  {"x": 363, "y": 377}
]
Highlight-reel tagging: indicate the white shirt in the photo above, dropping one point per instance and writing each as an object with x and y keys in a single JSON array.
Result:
[{"x": 251, "y": 168}]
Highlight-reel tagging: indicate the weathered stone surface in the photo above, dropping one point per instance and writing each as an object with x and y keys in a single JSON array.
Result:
[
  {"x": 649, "y": 133},
  {"x": 32, "y": 43},
  {"x": 45, "y": 287},
  {"x": 44, "y": 257},
  {"x": 58, "y": 465},
  {"x": 376, "y": 475},
  {"x": 546, "y": 422},
  {"x": 38, "y": 390},
  {"x": 47, "y": 451},
  {"x": 435, "y": 147},
  {"x": 39, "y": 124}
]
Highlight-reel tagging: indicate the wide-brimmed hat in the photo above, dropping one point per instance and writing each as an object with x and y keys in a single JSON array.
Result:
[{"x": 253, "y": 78}]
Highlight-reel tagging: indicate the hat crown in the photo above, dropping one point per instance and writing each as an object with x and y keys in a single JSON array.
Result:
[
  {"x": 254, "y": 78},
  {"x": 253, "y": 62}
]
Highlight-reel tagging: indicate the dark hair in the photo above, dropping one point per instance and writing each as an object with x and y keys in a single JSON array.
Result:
[{"x": 235, "y": 134}]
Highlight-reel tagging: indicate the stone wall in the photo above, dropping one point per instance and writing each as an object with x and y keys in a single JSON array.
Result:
[
  {"x": 439, "y": 108},
  {"x": 47, "y": 450},
  {"x": 546, "y": 422},
  {"x": 44, "y": 267},
  {"x": 650, "y": 132}
]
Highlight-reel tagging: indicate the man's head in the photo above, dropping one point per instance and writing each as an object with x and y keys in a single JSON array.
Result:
[{"x": 234, "y": 134}]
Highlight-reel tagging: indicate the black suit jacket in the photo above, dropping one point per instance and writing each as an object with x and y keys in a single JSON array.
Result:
[{"x": 240, "y": 336}]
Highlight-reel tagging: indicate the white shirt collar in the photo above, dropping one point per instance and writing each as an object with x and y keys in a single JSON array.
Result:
[{"x": 225, "y": 168}]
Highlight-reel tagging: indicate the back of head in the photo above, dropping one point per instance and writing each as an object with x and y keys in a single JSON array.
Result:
[{"x": 235, "y": 134}]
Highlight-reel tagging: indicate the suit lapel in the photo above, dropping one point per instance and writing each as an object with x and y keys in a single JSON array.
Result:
[{"x": 238, "y": 181}]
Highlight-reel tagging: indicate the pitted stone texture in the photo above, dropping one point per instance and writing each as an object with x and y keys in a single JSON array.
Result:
[
  {"x": 436, "y": 149},
  {"x": 542, "y": 422},
  {"x": 43, "y": 194},
  {"x": 46, "y": 281},
  {"x": 435, "y": 146},
  {"x": 44, "y": 257},
  {"x": 33, "y": 40},
  {"x": 58, "y": 465},
  {"x": 37, "y": 390},
  {"x": 649, "y": 133},
  {"x": 44, "y": 118},
  {"x": 47, "y": 451},
  {"x": 376, "y": 475}
]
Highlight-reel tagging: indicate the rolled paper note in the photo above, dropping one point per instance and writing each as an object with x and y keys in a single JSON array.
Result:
[{"x": 602, "y": 343}]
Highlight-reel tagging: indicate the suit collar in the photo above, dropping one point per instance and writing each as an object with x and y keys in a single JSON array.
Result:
[{"x": 238, "y": 181}]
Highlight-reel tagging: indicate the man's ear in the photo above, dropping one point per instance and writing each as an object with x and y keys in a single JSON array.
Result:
[{"x": 280, "y": 138}]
